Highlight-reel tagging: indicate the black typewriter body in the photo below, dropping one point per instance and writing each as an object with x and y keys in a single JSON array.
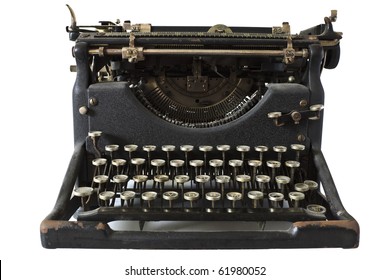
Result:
[{"x": 216, "y": 130}]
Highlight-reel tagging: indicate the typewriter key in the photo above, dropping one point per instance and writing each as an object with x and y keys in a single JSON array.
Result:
[
  {"x": 119, "y": 164},
  {"x": 243, "y": 149},
  {"x": 111, "y": 149},
  {"x": 128, "y": 197},
  {"x": 243, "y": 179},
  {"x": 264, "y": 181},
  {"x": 301, "y": 187},
  {"x": 140, "y": 180},
  {"x": 99, "y": 163},
  {"x": 261, "y": 150},
  {"x": 276, "y": 199},
  {"x": 158, "y": 163},
  {"x": 316, "y": 209},
  {"x": 213, "y": 196},
  {"x": 280, "y": 150},
  {"x": 282, "y": 182},
  {"x": 138, "y": 162},
  {"x": 130, "y": 149},
  {"x": 296, "y": 198},
  {"x": 168, "y": 149},
  {"x": 84, "y": 193},
  {"x": 149, "y": 149},
  {"x": 236, "y": 164},
  {"x": 106, "y": 197},
  {"x": 223, "y": 149},
  {"x": 313, "y": 186},
  {"x": 293, "y": 165},
  {"x": 160, "y": 179},
  {"x": 298, "y": 148},
  {"x": 216, "y": 164},
  {"x": 191, "y": 197},
  {"x": 180, "y": 181},
  {"x": 233, "y": 196},
  {"x": 100, "y": 180},
  {"x": 149, "y": 197},
  {"x": 170, "y": 196},
  {"x": 256, "y": 196},
  {"x": 95, "y": 134},
  {"x": 222, "y": 180},
  {"x": 186, "y": 149},
  {"x": 255, "y": 164},
  {"x": 197, "y": 164},
  {"x": 205, "y": 149},
  {"x": 273, "y": 164},
  {"x": 120, "y": 182},
  {"x": 202, "y": 180}
]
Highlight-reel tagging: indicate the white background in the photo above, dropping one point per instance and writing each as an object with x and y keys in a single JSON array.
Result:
[{"x": 37, "y": 142}]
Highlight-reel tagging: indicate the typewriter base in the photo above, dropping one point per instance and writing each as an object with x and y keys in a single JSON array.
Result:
[{"x": 58, "y": 232}]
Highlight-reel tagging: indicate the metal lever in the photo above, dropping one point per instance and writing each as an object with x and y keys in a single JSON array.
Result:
[{"x": 280, "y": 119}]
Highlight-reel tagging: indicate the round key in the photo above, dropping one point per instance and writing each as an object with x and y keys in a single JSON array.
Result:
[
  {"x": 235, "y": 162},
  {"x": 181, "y": 179},
  {"x": 106, "y": 196},
  {"x": 298, "y": 148},
  {"x": 282, "y": 179},
  {"x": 177, "y": 163},
  {"x": 130, "y": 148},
  {"x": 170, "y": 196},
  {"x": 233, "y": 196},
  {"x": 295, "y": 198},
  {"x": 255, "y": 164},
  {"x": 222, "y": 180},
  {"x": 263, "y": 180},
  {"x": 293, "y": 165},
  {"x": 138, "y": 162},
  {"x": 313, "y": 185},
  {"x": 149, "y": 148},
  {"x": 120, "y": 182},
  {"x": 120, "y": 178},
  {"x": 316, "y": 209},
  {"x": 205, "y": 148},
  {"x": 273, "y": 164},
  {"x": 280, "y": 150},
  {"x": 83, "y": 191},
  {"x": 196, "y": 163},
  {"x": 149, "y": 197},
  {"x": 223, "y": 148},
  {"x": 213, "y": 196},
  {"x": 139, "y": 180},
  {"x": 301, "y": 187},
  {"x": 168, "y": 148},
  {"x": 243, "y": 149},
  {"x": 243, "y": 178},
  {"x": 186, "y": 148},
  {"x": 191, "y": 197},
  {"x": 100, "y": 180},
  {"x": 128, "y": 197},
  {"x": 99, "y": 161},
  {"x": 118, "y": 162},
  {"x": 111, "y": 148},
  {"x": 261, "y": 150},
  {"x": 216, "y": 162},
  {"x": 161, "y": 179},
  {"x": 275, "y": 198},
  {"x": 158, "y": 163},
  {"x": 255, "y": 196},
  {"x": 202, "y": 178},
  {"x": 95, "y": 133}
]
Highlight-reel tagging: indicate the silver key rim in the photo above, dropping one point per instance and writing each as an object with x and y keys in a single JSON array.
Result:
[
  {"x": 130, "y": 148},
  {"x": 126, "y": 195},
  {"x": 275, "y": 196},
  {"x": 213, "y": 196},
  {"x": 182, "y": 179},
  {"x": 301, "y": 187},
  {"x": 157, "y": 162},
  {"x": 148, "y": 196},
  {"x": 111, "y": 148},
  {"x": 137, "y": 161},
  {"x": 149, "y": 148},
  {"x": 120, "y": 178},
  {"x": 186, "y": 148},
  {"x": 118, "y": 162},
  {"x": 243, "y": 148},
  {"x": 254, "y": 163},
  {"x": 296, "y": 196},
  {"x": 234, "y": 196},
  {"x": 316, "y": 209},
  {"x": 170, "y": 195},
  {"x": 223, "y": 148},
  {"x": 202, "y": 178},
  {"x": 313, "y": 185},
  {"x": 196, "y": 162},
  {"x": 100, "y": 179},
  {"x": 99, "y": 161},
  {"x": 255, "y": 195},
  {"x": 235, "y": 162},
  {"x": 292, "y": 163},
  {"x": 261, "y": 149},
  {"x": 95, "y": 133},
  {"x": 191, "y": 196},
  {"x": 216, "y": 162},
  {"x": 140, "y": 178},
  {"x": 205, "y": 148},
  {"x": 176, "y": 163},
  {"x": 168, "y": 148},
  {"x": 242, "y": 178},
  {"x": 107, "y": 195},
  {"x": 222, "y": 179},
  {"x": 161, "y": 178},
  {"x": 279, "y": 149},
  {"x": 297, "y": 147},
  {"x": 83, "y": 191},
  {"x": 263, "y": 178},
  {"x": 273, "y": 163},
  {"x": 282, "y": 179}
]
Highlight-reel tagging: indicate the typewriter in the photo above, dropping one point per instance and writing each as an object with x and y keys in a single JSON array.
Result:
[{"x": 194, "y": 137}]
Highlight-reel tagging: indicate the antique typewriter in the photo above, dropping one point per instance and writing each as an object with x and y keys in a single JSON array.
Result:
[{"x": 199, "y": 137}]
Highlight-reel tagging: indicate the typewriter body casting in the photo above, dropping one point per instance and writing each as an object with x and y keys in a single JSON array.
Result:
[{"x": 199, "y": 137}]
